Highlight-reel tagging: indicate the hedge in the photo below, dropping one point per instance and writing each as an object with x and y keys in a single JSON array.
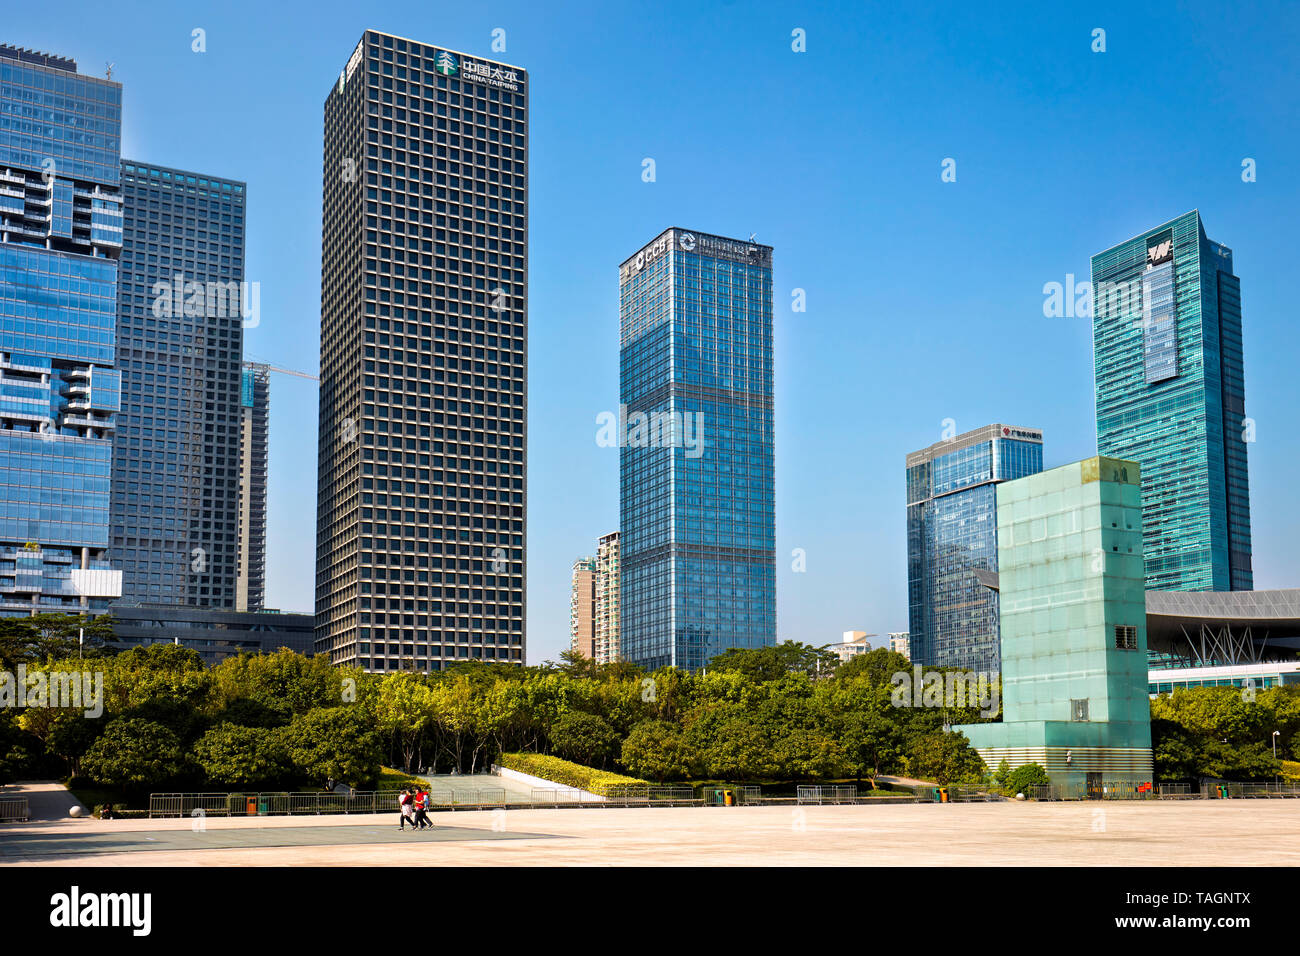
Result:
[{"x": 565, "y": 772}]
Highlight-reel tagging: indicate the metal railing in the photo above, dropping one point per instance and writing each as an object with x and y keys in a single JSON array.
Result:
[
  {"x": 13, "y": 809},
  {"x": 823, "y": 794},
  {"x": 1249, "y": 790},
  {"x": 740, "y": 796},
  {"x": 973, "y": 795},
  {"x": 303, "y": 804},
  {"x": 564, "y": 796},
  {"x": 1112, "y": 790},
  {"x": 643, "y": 795}
]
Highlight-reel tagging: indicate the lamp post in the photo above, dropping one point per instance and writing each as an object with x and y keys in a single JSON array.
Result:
[{"x": 1276, "y": 734}]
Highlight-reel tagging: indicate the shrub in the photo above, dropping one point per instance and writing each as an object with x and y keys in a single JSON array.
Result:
[
  {"x": 564, "y": 772},
  {"x": 1023, "y": 777}
]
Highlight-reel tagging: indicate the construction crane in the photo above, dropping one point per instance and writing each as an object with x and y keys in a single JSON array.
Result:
[
  {"x": 289, "y": 371},
  {"x": 284, "y": 371}
]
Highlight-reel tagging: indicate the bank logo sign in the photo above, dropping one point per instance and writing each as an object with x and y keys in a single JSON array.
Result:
[
  {"x": 704, "y": 244},
  {"x": 446, "y": 63},
  {"x": 1026, "y": 434},
  {"x": 1160, "y": 252}
]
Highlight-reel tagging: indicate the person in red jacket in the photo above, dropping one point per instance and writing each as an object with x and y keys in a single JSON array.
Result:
[{"x": 421, "y": 807}]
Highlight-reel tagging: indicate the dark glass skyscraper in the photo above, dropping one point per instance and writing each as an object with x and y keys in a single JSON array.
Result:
[
  {"x": 697, "y": 496},
  {"x": 952, "y": 536},
  {"x": 424, "y": 285},
  {"x": 255, "y": 403},
  {"x": 182, "y": 307},
  {"x": 60, "y": 237},
  {"x": 1171, "y": 396}
]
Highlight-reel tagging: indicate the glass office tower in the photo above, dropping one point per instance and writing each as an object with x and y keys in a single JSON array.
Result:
[
  {"x": 424, "y": 290},
  {"x": 254, "y": 459},
  {"x": 952, "y": 524},
  {"x": 182, "y": 306},
  {"x": 696, "y": 493},
  {"x": 1171, "y": 396},
  {"x": 60, "y": 237}
]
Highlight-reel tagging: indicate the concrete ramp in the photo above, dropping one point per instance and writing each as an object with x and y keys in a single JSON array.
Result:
[
  {"x": 443, "y": 786},
  {"x": 47, "y": 800}
]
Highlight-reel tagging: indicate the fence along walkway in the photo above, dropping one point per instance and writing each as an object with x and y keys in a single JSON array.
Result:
[
  {"x": 13, "y": 810},
  {"x": 291, "y": 804},
  {"x": 385, "y": 801},
  {"x": 1113, "y": 790}
]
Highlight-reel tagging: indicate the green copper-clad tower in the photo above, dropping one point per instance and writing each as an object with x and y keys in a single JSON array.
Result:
[{"x": 1073, "y": 624}]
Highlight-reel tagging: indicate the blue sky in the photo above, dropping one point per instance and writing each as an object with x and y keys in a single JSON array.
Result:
[{"x": 924, "y": 298}]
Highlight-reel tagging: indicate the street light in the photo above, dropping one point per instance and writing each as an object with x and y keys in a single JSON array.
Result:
[{"x": 1276, "y": 734}]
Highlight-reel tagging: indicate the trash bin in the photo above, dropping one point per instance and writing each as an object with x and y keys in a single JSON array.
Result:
[
  {"x": 729, "y": 798},
  {"x": 263, "y": 805},
  {"x": 938, "y": 797},
  {"x": 250, "y": 806},
  {"x": 943, "y": 794},
  {"x": 720, "y": 797}
]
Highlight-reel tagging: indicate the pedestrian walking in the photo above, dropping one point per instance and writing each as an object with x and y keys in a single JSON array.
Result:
[
  {"x": 422, "y": 798},
  {"x": 407, "y": 807}
]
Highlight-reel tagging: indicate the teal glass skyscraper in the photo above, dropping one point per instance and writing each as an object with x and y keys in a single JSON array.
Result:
[
  {"x": 60, "y": 237},
  {"x": 1171, "y": 396},
  {"x": 697, "y": 498}
]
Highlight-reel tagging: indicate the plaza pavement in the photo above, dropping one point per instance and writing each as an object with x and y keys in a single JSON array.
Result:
[{"x": 1173, "y": 833}]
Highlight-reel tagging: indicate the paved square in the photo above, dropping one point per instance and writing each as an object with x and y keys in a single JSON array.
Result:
[{"x": 1190, "y": 833}]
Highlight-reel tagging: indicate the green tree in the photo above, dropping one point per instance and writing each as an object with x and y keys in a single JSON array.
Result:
[
  {"x": 134, "y": 753},
  {"x": 1223, "y": 732},
  {"x": 944, "y": 758},
  {"x": 654, "y": 751},
  {"x": 16, "y": 748},
  {"x": 39, "y": 637},
  {"x": 235, "y": 756},
  {"x": 574, "y": 664},
  {"x": 776, "y": 660},
  {"x": 584, "y": 738},
  {"x": 158, "y": 672},
  {"x": 877, "y": 667},
  {"x": 868, "y": 727},
  {"x": 1001, "y": 774},
  {"x": 404, "y": 709},
  {"x": 71, "y": 736},
  {"x": 283, "y": 681},
  {"x": 336, "y": 743}
]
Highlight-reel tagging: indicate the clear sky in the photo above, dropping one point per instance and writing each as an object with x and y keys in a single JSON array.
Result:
[{"x": 924, "y": 298}]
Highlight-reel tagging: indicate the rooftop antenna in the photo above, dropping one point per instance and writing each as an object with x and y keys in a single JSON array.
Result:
[
  {"x": 752, "y": 236},
  {"x": 108, "y": 70}
]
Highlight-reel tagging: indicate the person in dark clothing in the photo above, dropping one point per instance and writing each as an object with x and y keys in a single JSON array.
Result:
[{"x": 422, "y": 821}]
